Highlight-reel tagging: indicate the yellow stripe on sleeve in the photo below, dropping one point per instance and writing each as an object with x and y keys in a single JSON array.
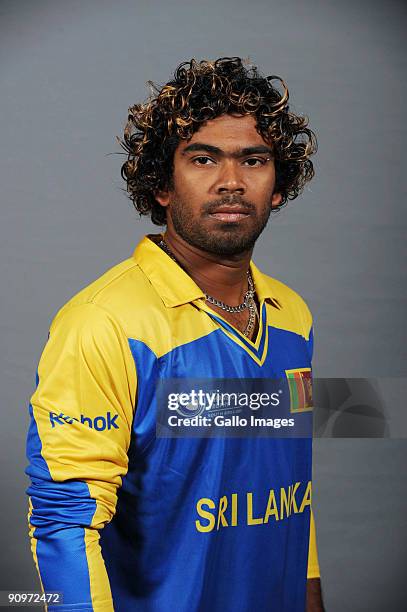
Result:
[{"x": 313, "y": 563}]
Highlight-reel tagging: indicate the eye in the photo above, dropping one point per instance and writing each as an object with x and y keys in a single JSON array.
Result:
[
  {"x": 203, "y": 160},
  {"x": 254, "y": 162}
]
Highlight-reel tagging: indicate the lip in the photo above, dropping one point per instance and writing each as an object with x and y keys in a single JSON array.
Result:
[
  {"x": 230, "y": 213},
  {"x": 230, "y": 217}
]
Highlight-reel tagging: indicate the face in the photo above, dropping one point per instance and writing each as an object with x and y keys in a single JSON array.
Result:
[{"x": 223, "y": 186}]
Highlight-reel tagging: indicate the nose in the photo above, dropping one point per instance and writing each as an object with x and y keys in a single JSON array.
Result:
[{"x": 230, "y": 179}]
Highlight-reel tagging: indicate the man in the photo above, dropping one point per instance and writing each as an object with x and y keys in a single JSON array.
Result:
[{"x": 120, "y": 517}]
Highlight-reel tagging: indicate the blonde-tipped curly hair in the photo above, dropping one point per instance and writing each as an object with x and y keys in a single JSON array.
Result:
[{"x": 201, "y": 91}]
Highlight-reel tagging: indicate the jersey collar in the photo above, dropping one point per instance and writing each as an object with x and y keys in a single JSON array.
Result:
[{"x": 173, "y": 284}]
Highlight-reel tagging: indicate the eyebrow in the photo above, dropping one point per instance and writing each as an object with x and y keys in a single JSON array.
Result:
[{"x": 201, "y": 146}]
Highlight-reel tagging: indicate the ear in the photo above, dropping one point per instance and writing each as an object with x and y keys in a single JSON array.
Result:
[
  {"x": 162, "y": 197},
  {"x": 276, "y": 200}
]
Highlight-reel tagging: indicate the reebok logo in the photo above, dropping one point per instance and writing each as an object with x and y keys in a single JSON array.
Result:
[{"x": 100, "y": 423}]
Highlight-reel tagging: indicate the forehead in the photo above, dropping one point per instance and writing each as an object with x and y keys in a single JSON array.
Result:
[{"x": 228, "y": 132}]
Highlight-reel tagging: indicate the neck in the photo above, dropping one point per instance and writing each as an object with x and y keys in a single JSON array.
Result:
[{"x": 222, "y": 277}]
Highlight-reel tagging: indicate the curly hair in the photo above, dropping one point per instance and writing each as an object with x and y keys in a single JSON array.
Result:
[{"x": 201, "y": 91}]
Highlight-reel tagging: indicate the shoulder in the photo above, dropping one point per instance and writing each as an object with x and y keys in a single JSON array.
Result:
[
  {"x": 287, "y": 296},
  {"x": 110, "y": 301},
  {"x": 290, "y": 309}
]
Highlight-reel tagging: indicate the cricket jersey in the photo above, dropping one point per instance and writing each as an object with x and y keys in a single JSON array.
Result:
[{"x": 122, "y": 519}]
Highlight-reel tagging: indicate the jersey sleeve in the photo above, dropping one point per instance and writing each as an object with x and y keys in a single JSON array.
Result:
[
  {"x": 80, "y": 423},
  {"x": 313, "y": 563},
  {"x": 313, "y": 570}
]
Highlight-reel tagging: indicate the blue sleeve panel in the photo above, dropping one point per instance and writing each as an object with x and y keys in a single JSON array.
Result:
[{"x": 60, "y": 511}]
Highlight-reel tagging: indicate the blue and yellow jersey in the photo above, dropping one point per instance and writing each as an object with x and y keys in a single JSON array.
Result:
[{"x": 123, "y": 520}]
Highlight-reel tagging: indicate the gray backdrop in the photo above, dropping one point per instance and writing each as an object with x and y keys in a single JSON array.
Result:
[{"x": 69, "y": 71}]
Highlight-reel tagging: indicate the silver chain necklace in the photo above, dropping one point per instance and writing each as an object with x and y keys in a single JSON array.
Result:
[{"x": 248, "y": 300}]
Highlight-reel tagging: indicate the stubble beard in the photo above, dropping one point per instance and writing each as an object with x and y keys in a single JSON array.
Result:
[{"x": 228, "y": 239}]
